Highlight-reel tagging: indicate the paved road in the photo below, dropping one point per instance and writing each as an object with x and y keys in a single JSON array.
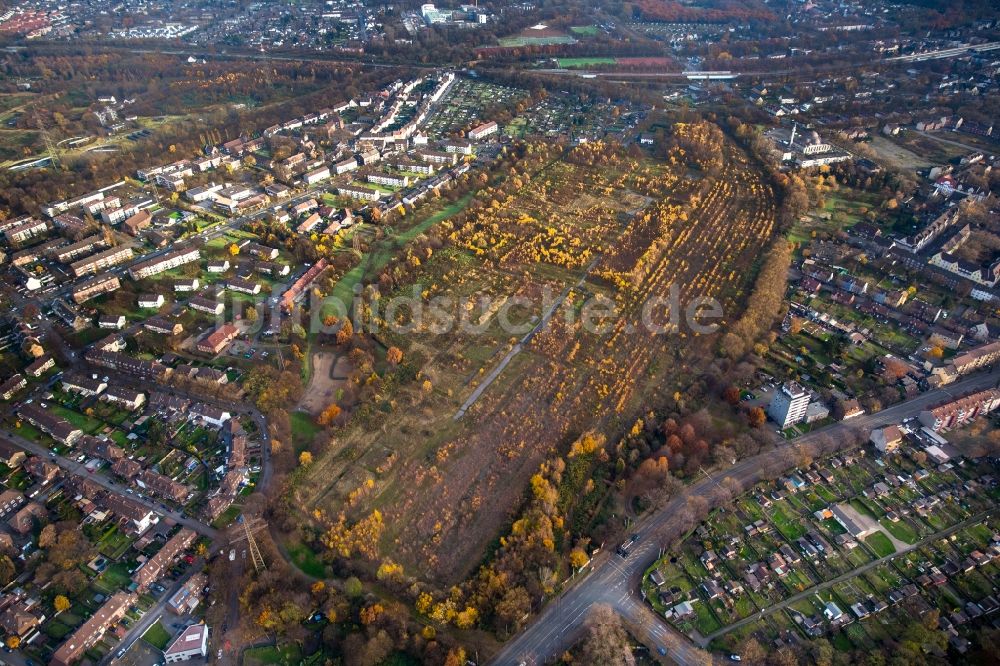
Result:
[
  {"x": 523, "y": 342},
  {"x": 938, "y": 136},
  {"x": 78, "y": 469},
  {"x": 843, "y": 577},
  {"x": 151, "y": 616},
  {"x": 611, "y": 578}
]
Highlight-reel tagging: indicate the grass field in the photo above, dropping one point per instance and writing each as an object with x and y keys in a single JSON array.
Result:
[
  {"x": 880, "y": 543},
  {"x": 902, "y": 530},
  {"x": 571, "y": 63},
  {"x": 521, "y": 40},
  {"x": 304, "y": 428},
  {"x": 113, "y": 544},
  {"x": 585, "y": 30},
  {"x": 157, "y": 636},
  {"x": 307, "y": 560},
  {"x": 343, "y": 291},
  {"x": 270, "y": 656},
  {"x": 227, "y": 517}
]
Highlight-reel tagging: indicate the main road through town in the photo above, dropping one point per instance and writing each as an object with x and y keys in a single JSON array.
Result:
[{"x": 614, "y": 581}]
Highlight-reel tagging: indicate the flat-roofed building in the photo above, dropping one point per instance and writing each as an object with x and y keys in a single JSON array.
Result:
[
  {"x": 102, "y": 284},
  {"x": 165, "y": 262},
  {"x": 789, "y": 404},
  {"x": 96, "y": 263},
  {"x": 483, "y": 131}
]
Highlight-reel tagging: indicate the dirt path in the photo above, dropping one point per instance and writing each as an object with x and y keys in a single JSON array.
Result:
[
  {"x": 896, "y": 155},
  {"x": 330, "y": 372}
]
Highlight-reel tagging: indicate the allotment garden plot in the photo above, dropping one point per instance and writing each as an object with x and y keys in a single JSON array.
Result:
[{"x": 782, "y": 558}]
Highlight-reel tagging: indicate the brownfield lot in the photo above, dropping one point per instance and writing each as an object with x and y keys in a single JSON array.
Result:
[
  {"x": 625, "y": 229},
  {"x": 330, "y": 371}
]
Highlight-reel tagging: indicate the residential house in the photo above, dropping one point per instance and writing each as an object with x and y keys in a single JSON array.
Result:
[
  {"x": 788, "y": 406},
  {"x": 162, "y": 326},
  {"x": 128, "y": 398},
  {"x": 20, "y": 618},
  {"x": 187, "y": 598},
  {"x": 243, "y": 286},
  {"x": 39, "y": 366},
  {"x": 41, "y": 470},
  {"x": 133, "y": 517},
  {"x": 218, "y": 340},
  {"x": 136, "y": 223},
  {"x": 24, "y": 521},
  {"x": 186, "y": 285},
  {"x": 101, "y": 448},
  {"x": 55, "y": 426},
  {"x": 10, "y": 387},
  {"x": 127, "y": 469},
  {"x": 980, "y": 357},
  {"x": 960, "y": 411},
  {"x": 82, "y": 384},
  {"x": 91, "y": 631},
  {"x": 10, "y": 500},
  {"x": 10, "y": 455},
  {"x": 886, "y": 439},
  {"x": 350, "y": 164},
  {"x": 163, "y": 486},
  {"x": 151, "y": 301},
  {"x": 102, "y": 284},
  {"x": 155, "y": 567},
  {"x": 192, "y": 643},
  {"x": 482, "y": 131},
  {"x": 164, "y": 262},
  {"x": 210, "y": 415},
  {"x": 206, "y": 305},
  {"x": 359, "y": 192},
  {"x": 111, "y": 322}
]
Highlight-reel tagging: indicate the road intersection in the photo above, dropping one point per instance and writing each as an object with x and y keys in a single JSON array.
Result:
[{"x": 614, "y": 581}]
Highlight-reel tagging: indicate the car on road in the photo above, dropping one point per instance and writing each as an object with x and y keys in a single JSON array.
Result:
[
  {"x": 662, "y": 650},
  {"x": 735, "y": 657},
  {"x": 626, "y": 546}
]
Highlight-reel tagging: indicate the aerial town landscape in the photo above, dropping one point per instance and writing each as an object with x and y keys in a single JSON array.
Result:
[{"x": 555, "y": 332}]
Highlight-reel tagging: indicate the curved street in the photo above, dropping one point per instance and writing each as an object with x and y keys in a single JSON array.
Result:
[{"x": 615, "y": 581}]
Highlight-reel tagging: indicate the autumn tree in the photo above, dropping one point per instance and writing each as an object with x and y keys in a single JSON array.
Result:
[
  {"x": 578, "y": 558},
  {"x": 606, "y": 641},
  {"x": 456, "y": 657},
  {"x": 61, "y": 603},
  {"x": 305, "y": 458},
  {"x": 329, "y": 415},
  {"x": 345, "y": 333},
  {"x": 756, "y": 417},
  {"x": 394, "y": 356}
]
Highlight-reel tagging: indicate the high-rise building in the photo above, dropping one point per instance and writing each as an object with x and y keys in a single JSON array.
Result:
[{"x": 788, "y": 406}]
